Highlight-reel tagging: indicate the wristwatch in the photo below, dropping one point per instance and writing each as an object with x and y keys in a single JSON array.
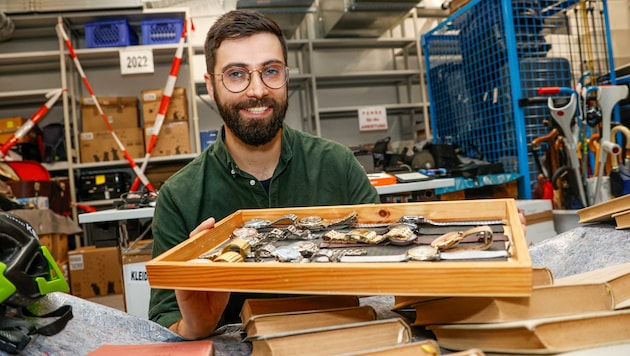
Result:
[
  {"x": 230, "y": 256},
  {"x": 423, "y": 253},
  {"x": 260, "y": 223},
  {"x": 314, "y": 222},
  {"x": 239, "y": 245},
  {"x": 287, "y": 254},
  {"x": 400, "y": 234},
  {"x": 450, "y": 241}
]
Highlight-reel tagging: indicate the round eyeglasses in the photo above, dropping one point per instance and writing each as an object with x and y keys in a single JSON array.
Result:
[{"x": 236, "y": 78}]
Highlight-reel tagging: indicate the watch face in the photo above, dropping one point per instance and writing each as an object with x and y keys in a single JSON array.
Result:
[
  {"x": 423, "y": 253},
  {"x": 287, "y": 253}
]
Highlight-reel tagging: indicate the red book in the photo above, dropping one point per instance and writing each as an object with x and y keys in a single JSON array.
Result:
[{"x": 188, "y": 348}]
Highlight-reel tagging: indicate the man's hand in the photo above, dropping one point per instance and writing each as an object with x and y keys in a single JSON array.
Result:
[{"x": 201, "y": 310}]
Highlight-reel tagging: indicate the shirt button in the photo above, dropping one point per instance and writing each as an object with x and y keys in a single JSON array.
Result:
[
  {"x": 232, "y": 172},
  {"x": 252, "y": 182}
]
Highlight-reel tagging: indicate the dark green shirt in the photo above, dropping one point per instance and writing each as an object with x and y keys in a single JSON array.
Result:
[{"x": 312, "y": 171}]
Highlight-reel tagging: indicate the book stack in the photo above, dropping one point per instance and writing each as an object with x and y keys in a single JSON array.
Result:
[
  {"x": 582, "y": 311},
  {"x": 327, "y": 325},
  {"x": 617, "y": 210}
]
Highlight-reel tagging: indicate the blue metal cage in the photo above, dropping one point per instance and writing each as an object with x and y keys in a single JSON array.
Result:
[{"x": 486, "y": 62}]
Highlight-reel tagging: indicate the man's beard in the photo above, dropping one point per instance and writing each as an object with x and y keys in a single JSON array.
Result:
[{"x": 255, "y": 132}]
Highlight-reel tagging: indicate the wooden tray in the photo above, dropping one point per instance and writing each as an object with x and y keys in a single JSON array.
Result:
[{"x": 444, "y": 278}]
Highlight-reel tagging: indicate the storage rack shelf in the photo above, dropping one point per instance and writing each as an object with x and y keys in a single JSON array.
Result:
[
  {"x": 46, "y": 54},
  {"x": 36, "y": 48}
]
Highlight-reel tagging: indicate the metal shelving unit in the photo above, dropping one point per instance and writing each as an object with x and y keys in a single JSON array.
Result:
[
  {"x": 41, "y": 52},
  {"x": 36, "y": 50}
]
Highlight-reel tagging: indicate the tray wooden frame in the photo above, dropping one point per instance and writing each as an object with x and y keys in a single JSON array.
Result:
[{"x": 513, "y": 277}]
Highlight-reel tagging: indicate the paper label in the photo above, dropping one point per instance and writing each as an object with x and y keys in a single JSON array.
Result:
[
  {"x": 373, "y": 118},
  {"x": 136, "y": 60},
  {"x": 75, "y": 262}
]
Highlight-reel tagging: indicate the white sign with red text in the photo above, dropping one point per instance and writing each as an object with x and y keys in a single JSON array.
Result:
[{"x": 372, "y": 118}]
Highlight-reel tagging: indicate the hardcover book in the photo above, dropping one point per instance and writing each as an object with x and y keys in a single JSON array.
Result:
[
  {"x": 541, "y": 276},
  {"x": 261, "y": 306},
  {"x": 605, "y": 289},
  {"x": 183, "y": 348},
  {"x": 269, "y": 324},
  {"x": 604, "y": 210},
  {"x": 536, "y": 336},
  {"x": 544, "y": 302},
  {"x": 338, "y": 339}
]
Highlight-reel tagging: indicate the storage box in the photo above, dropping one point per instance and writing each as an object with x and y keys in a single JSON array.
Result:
[
  {"x": 175, "y": 269},
  {"x": 6, "y": 136},
  {"x": 57, "y": 244},
  {"x": 100, "y": 146},
  {"x": 136, "y": 283},
  {"x": 173, "y": 139},
  {"x": 11, "y": 124},
  {"x": 378, "y": 179},
  {"x": 121, "y": 113},
  {"x": 8, "y": 127},
  {"x": 177, "y": 107},
  {"x": 95, "y": 271},
  {"x": 159, "y": 31},
  {"x": 110, "y": 33}
]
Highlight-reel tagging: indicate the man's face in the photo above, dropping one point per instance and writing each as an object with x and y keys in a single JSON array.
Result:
[{"x": 254, "y": 115}]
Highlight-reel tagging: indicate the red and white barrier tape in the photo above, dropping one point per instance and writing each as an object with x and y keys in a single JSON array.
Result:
[
  {"x": 164, "y": 103},
  {"x": 61, "y": 32},
  {"x": 32, "y": 121}
]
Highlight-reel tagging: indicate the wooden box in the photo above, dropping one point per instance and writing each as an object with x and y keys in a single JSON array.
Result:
[{"x": 511, "y": 277}]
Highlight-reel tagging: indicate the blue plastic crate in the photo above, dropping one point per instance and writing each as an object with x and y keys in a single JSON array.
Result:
[
  {"x": 161, "y": 31},
  {"x": 111, "y": 33}
]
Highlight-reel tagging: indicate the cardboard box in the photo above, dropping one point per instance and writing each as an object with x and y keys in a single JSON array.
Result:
[
  {"x": 100, "y": 146},
  {"x": 121, "y": 112},
  {"x": 179, "y": 267},
  {"x": 95, "y": 271},
  {"x": 57, "y": 244},
  {"x": 8, "y": 127},
  {"x": 177, "y": 108},
  {"x": 378, "y": 179},
  {"x": 6, "y": 136},
  {"x": 173, "y": 139},
  {"x": 137, "y": 290},
  {"x": 11, "y": 124}
]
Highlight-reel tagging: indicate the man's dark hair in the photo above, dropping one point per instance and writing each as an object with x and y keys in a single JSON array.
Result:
[{"x": 239, "y": 24}]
